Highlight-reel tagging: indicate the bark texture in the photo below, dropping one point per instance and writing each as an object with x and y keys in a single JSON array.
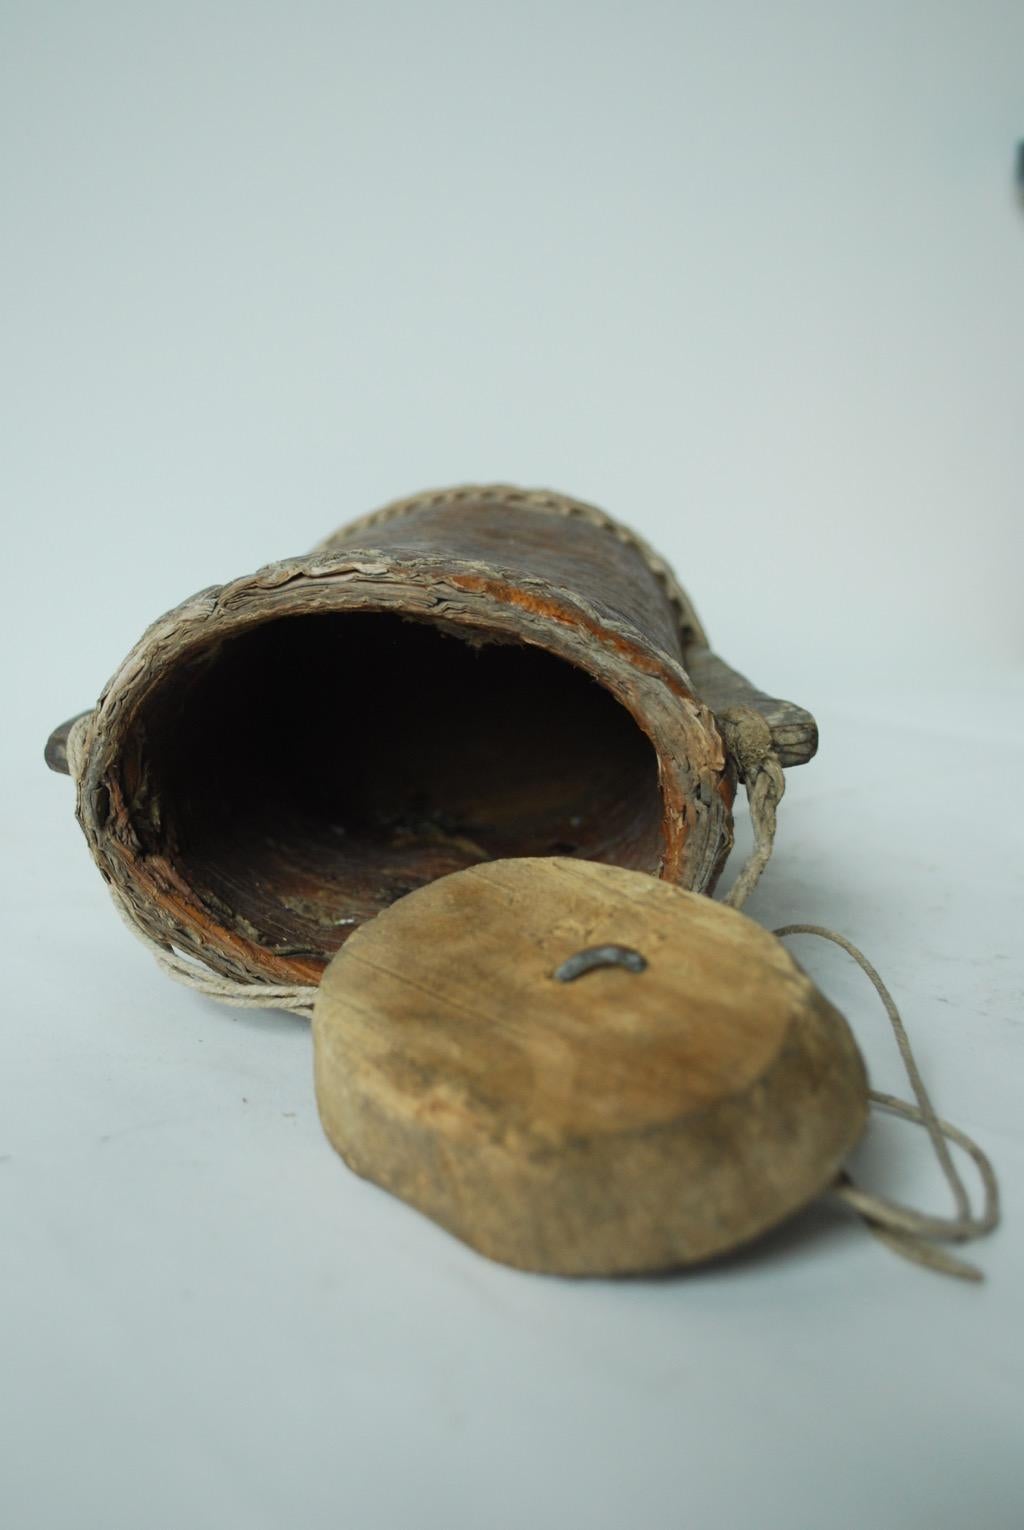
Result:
[{"x": 466, "y": 675}]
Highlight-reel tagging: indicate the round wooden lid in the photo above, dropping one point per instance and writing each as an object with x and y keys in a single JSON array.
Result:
[{"x": 634, "y": 1116}]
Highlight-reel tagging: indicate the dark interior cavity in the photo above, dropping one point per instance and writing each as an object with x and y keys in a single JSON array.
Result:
[{"x": 311, "y": 770}]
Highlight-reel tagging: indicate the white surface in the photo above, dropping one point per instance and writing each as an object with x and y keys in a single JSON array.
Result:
[{"x": 749, "y": 276}]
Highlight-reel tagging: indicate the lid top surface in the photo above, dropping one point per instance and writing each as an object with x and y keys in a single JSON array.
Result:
[
  {"x": 621, "y": 1121},
  {"x": 451, "y": 993}
]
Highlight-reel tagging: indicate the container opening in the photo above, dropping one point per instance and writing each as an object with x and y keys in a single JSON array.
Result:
[{"x": 306, "y": 773}]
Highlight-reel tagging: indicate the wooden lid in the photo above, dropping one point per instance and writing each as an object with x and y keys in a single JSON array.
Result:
[{"x": 620, "y": 1120}]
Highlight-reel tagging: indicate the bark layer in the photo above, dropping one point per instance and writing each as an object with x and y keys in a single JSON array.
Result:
[{"x": 463, "y": 676}]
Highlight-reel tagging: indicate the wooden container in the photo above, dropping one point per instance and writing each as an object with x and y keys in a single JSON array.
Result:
[{"x": 469, "y": 674}]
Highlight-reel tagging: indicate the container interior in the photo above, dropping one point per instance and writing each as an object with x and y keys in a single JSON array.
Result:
[{"x": 307, "y": 772}]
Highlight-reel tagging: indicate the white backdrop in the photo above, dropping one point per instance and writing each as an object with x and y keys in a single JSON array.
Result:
[{"x": 750, "y": 276}]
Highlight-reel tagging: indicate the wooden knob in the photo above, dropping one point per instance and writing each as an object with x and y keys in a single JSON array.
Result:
[{"x": 592, "y": 1116}]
